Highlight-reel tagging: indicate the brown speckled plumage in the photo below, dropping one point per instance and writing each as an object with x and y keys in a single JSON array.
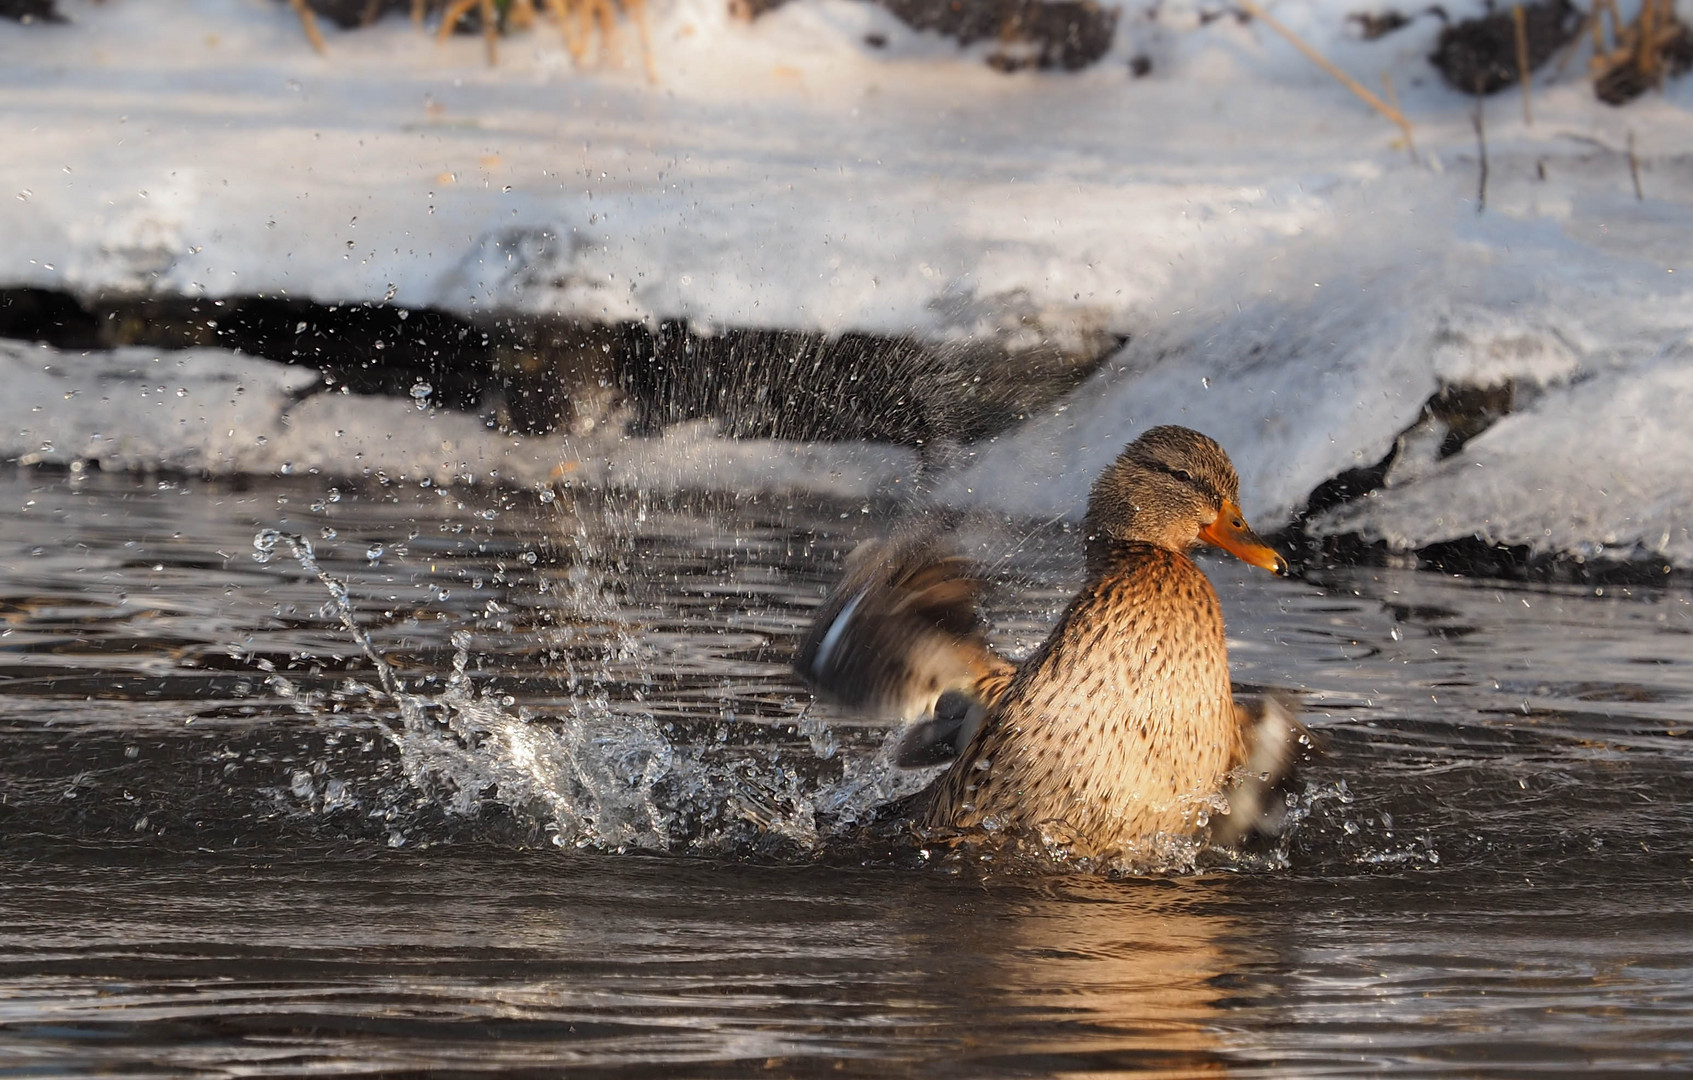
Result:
[
  {"x": 1122, "y": 726},
  {"x": 1119, "y": 725}
]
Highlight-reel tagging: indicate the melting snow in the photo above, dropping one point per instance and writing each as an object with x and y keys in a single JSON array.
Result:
[{"x": 1293, "y": 281}]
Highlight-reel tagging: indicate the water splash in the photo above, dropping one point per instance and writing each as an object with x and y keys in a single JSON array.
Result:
[
  {"x": 602, "y": 774},
  {"x": 264, "y": 550}
]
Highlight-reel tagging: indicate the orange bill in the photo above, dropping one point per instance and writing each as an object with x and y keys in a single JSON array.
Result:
[{"x": 1231, "y": 533}]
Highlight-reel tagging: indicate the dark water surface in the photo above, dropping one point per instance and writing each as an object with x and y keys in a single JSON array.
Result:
[{"x": 614, "y": 842}]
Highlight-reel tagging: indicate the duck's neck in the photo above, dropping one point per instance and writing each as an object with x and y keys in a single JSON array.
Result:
[{"x": 1106, "y": 554}]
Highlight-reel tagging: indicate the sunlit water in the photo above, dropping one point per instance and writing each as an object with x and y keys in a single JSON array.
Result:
[{"x": 581, "y": 819}]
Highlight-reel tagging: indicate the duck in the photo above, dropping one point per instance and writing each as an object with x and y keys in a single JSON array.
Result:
[{"x": 1121, "y": 731}]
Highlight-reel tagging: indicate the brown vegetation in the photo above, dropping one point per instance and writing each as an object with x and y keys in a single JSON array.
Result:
[
  {"x": 1635, "y": 57},
  {"x": 578, "y": 20}
]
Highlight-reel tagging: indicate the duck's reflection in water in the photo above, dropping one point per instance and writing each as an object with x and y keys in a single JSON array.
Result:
[
  {"x": 812, "y": 969},
  {"x": 1093, "y": 977}
]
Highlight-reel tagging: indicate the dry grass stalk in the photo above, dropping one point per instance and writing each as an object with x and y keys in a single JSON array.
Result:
[
  {"x": 458, "y": 9},
  {"x": 308, "y": 22},
  {"x": 590, "y": 15},
  {"x": 1481, "y": 144},
  {"x": 578, "y": 21},
  {"x": 1524, "y": 75},
  {"x": 1311, "y": 54},
  {"x": 1392, "y": 97}
]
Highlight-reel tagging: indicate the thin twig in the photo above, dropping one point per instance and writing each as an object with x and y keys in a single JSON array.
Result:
[
  {"x": 1393, "y": 100},
  {"x": 1524, "y": 76},
  {"x": 1617, "y": 25},
  {"x": 637, "y": 10},
  {"x": 1567, "y": 51},
  {"x": 1311, "y": 54},
  {"x": 1596, "y": 24},
  {"x": 1481, "y": 140},
  {"x": 1634, "y": 168},
  {"x": 308, "y": 19},
  {"x": 458, "y": 9}
]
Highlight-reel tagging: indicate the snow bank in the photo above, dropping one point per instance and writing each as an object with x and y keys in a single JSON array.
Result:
[
  {"x": 1332, "y": 353},
  {"x": 1294, "y": 281}
]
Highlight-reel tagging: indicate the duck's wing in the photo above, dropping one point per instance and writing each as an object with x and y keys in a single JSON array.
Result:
[
  {"x": 901, "y": 634},
  {"x": 1277, "y": 743}
]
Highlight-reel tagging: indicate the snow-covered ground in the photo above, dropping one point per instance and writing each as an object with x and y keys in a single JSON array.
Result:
[{"x": 1294, "y": 281}]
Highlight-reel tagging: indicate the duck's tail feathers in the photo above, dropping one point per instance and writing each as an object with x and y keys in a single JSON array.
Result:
[
  {"x": 901, "y": 635},
  {"x": 1277, "y": 743}
]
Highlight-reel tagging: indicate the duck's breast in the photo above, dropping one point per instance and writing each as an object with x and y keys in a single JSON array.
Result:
[{"x": 1122, "y": 724}]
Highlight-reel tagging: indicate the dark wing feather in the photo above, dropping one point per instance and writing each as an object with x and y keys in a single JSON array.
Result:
[{"x": 899, "y": 634}]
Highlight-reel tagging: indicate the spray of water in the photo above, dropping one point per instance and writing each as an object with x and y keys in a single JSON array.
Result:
[{"x": 599, "y": 774}]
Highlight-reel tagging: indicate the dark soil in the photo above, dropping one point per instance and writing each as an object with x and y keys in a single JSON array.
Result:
[
  {"x": 1063, "y": 34},
  {"x": 1479, "y": 56},
  {"x": 352, "y": 14},
  {"x": 28, "y": 11},
  {"x": 1045, "y": 35},
  {"x": 1373, "y": 25},
  {"x": 348, "y": 14}
]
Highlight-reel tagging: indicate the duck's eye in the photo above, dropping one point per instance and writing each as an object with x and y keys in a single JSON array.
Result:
[{"x": 1183, "y": 475}]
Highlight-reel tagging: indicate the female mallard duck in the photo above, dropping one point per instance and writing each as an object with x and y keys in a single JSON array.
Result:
[{"x": 1122, "y": 727}]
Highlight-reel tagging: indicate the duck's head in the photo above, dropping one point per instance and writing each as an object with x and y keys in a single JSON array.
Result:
[{"x": 1175, "y": 488}]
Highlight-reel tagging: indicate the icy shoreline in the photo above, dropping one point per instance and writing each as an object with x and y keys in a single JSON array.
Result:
[{"x": 1292, "y": 281}]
